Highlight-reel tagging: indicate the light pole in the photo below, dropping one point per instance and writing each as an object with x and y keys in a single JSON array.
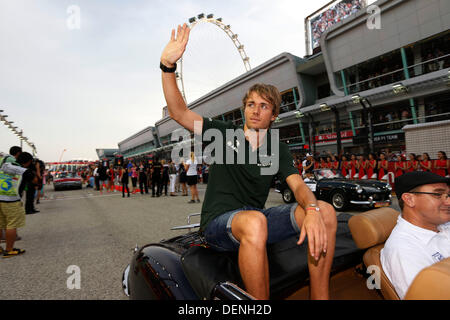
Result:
[{"x": 18, "y": 133}]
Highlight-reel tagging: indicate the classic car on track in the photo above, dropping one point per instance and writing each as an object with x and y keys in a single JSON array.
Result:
[
  {"x": 67, "y": 180},
  {"x": 341, "y": 192}
]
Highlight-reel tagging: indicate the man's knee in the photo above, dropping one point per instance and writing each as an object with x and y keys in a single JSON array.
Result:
[
  {"x": 328, "y": 215},
  {"x": 250, "y": 227}
]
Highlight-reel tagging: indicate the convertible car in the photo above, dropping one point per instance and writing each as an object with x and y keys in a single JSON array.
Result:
[
  {"x": 341, "y": 192},
  {"x": 66, "y": 180},
  {"x": 185, "y": 268}
]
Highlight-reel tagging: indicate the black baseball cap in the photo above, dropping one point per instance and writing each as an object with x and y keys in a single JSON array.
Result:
[{"x": 411, "y": 180}]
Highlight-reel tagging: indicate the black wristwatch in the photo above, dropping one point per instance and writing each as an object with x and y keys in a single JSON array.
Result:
[{"x": 167, "y": 69}]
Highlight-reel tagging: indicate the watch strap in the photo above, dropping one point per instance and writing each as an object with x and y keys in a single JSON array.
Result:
[{"x": 167, "y": 69}]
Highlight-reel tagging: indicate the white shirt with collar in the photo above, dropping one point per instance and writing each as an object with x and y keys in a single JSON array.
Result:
[{"x": 409, "y": 249}]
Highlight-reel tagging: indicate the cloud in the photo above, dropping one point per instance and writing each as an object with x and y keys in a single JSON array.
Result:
[{"x": 93, "y": 87}]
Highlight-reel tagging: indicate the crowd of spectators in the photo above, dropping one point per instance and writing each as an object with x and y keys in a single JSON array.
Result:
[
  {"x": 160, "y": 177},
  {"x": 331, "y": 16},
  {"x": 373, "y": 166}
]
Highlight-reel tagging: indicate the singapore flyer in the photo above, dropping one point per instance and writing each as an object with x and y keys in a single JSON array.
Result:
[{"x": 212, "y": 43}]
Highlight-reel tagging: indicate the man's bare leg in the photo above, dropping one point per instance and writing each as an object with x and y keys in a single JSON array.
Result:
[
  {"x": 250, "y": 229},
  {"x": 319, "y": 271},
  {"x": 10, "y": 236}
]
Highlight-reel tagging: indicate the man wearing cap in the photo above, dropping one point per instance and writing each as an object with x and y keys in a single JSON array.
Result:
[
  {"x": 308, "y": 165},
  {"x": 422, "y": 234}
]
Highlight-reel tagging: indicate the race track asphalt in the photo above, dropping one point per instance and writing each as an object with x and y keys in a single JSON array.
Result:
[{"x": 95, "y": 232}]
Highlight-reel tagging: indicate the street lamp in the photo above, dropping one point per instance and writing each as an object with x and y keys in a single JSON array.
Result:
[
  {"x": 363, "y": 101},
  {"x": 325, "y": 107},
  {"x": 399, "y": 88}
]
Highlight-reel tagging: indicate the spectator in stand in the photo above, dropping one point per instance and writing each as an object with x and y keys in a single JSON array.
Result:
[
  {"x": 441, "y": 164},
  {"x": 400, "y": 166},
  {"x": 142, "y": 178},
  {"x": 383, "y": 168},
  {"x": 372, "y": 167},
  {"x": 425, "y": 164},
  {"x": 353, "y": 167},
  {"x": 183, "y": 177},
  {"x": 412, "y": 164},
  {"x": 124, "y": 178},
  {"x": 362, "y": 165},
  {"x": 192, "y": 177}
]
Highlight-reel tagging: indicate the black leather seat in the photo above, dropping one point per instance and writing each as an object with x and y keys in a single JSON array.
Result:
[{"x": 288, "y": 267}]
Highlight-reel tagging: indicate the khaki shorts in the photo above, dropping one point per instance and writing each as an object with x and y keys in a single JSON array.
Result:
[{"x": 12, "y": 215}]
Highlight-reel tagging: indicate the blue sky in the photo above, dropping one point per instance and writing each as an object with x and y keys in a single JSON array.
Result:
[{"x": 92, "y": 87}]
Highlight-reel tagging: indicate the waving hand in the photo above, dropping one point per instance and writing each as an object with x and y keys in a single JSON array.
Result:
[{"x": 175, "y": 48}]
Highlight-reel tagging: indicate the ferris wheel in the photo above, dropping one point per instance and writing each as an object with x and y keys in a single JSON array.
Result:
[{"x": 201, "y": 18}]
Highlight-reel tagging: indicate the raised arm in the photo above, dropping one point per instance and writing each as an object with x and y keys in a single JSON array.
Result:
[{"x": 176, "y": 106}]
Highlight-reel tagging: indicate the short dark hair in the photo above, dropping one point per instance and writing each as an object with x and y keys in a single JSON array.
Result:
[
  {"x": 24, "y": 157},
  {"x": 401, "y": 203},
  {"x": 15, "y": 150}
]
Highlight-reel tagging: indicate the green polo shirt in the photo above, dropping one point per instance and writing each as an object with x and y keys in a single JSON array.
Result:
[{"x": 241, "y": 184}]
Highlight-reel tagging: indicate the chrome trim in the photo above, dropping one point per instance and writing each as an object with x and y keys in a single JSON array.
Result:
[
  {"x": 125, "y": 281},
  {"x": 230, "y": 291},
  {"x": 369, "y": 202}
]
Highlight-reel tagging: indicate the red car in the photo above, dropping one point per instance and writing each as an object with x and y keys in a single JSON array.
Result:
[{"x": 67, "y": 180}]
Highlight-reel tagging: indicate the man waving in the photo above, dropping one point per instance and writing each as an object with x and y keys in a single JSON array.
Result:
[{"x": 233, "y": 214}]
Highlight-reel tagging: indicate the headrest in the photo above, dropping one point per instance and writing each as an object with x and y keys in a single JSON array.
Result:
[{"x": 372, "y": 227}]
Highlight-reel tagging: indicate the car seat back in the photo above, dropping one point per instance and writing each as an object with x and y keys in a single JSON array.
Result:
[
  {"x": 370, "y": 230},
  {"x": 432, "y": 283}
]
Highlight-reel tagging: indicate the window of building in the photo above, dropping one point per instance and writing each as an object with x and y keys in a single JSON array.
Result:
[
  {"x": 289, "y": 99},
  {"x": 429, "y": 55},
  {"x": 323, "y": 91},
  {"x": 290, "y": 134},
  {"x": 437, "y": 107}
]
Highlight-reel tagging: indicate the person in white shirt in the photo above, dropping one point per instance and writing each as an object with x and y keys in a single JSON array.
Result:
[
  {"x": 421, "y": 236},
  {"x": 192, "y": 177}
]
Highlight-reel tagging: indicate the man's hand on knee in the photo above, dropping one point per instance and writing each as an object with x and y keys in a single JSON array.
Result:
[{"x": 314, "y": 227}]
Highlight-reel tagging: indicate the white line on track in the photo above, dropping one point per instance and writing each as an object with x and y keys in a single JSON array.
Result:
[{"x": 84, "y": 197}]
